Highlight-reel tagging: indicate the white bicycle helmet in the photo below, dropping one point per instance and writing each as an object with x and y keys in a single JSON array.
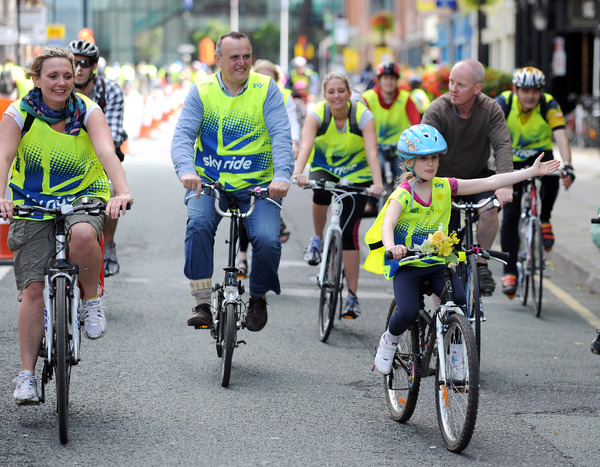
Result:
[
  {"x": 529, "y": 77},
  {"x": 87, "y": 49}
]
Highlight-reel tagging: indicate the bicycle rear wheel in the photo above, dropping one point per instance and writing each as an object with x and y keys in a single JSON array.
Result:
[
  {"x": 403, "y": 383},
  {"x": 457, "y": 396},
  {"x": 523, "y": 260},
  {"x": 474, "y": 301},
  {"x": 331, "y": 285},
  {"x": 63, "y": 358},
  {"x": 537, "y": 267},
  {"x": 229, "y": 326}
]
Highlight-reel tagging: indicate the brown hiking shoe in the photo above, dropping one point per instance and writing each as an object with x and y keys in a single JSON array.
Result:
[
  {"x": 256, "y": 318},
  {"x": 201, "y": 316}
]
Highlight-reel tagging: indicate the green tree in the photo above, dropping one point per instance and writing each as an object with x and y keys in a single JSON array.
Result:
[
  {"x": 149, "y": 44},
  {"x": 265, "y": 42}
]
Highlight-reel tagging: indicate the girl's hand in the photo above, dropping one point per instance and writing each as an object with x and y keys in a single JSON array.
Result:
[
  {"x": 301, "y": 179},
  {"x": 545, "y": 168},
  {"x": 118, "y": 204},
  {"x": 399, "y": 251}
]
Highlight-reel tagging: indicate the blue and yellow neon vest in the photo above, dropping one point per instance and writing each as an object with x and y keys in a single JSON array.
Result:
[
  {"x": 233, "y": 145},
  {"x": 51, "y": 168},
  {"x": 341, "y": 154},
  {"x": 389, "y": 123},
  {"x": 532, "y": 133},
  {"x": 413, "y": 227}
]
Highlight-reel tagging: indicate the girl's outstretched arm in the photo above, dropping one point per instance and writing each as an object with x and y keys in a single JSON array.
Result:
[{"x": 478, "y": 185}]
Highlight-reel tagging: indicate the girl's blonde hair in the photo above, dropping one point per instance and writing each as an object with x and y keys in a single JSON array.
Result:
[
  {"x": 334, "y": 75},
  {"x": 35, "y": 69},
  {"x": 267, "y": 65}
]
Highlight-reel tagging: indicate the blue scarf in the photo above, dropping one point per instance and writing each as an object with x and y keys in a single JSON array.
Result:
[{"x": 73, "y": 113}]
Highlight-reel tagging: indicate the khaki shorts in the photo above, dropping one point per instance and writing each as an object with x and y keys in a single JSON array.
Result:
[{"x": 34, "y": 244}]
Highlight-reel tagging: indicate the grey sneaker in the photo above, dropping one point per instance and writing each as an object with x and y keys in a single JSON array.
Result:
[
  {"x": 312, "y": 253},
  {"x": 352, "y": 308},
  {"x": 94, "y": 321},
  {"x": 26, "y": 391}
]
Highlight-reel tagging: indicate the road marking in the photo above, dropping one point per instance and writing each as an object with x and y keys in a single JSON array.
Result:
[
  {"x": 314, "y": 292},
  {"x": 577, "y": 307},
  {"x": 4, "y": 271}
]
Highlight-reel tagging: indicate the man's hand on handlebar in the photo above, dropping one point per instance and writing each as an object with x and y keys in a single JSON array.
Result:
[
  {"x": 192, "y": 182},
  {"x": 278, "y": 189}
]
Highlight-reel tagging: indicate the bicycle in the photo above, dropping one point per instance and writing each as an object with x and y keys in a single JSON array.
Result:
[
  {"x": 447, "y": 334},
  {"x": 467, "y": 271},
  {"x": 530, "y": 259},
  {"x": 61, "y": 343},
  {"x": 331, "y": 273},
  {"x": 227, "y": 306},
  {"x": 389, "y": 152}
]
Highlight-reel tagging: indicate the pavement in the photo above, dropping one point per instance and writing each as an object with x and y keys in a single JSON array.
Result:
[{"x": 574, "y": 252}]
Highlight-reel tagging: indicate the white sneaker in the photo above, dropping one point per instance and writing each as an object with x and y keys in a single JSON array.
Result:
[
  {"x": 26, "y": 391},
  {"x": 457, "y": 367},
  {"x": 94, "y": 321},
  {"x": 384, "y": 358}
]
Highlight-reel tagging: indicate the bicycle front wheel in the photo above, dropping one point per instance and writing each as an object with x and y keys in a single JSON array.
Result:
[
  {"x": 403, "y": 383},
  {"x": 537, "y": 267},
  {"x": 523, "y": 260},
  {"x": 474, "y": 301},
  {"x": 63, "y": 357},
  {"x": 229, "y": 326},
  {"x": 457, "y": 396},
  {"x": 331, "y": 285}
]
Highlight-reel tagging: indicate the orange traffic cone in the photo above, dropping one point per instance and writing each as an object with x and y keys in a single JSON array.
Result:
[
  {"x": 146, "y": 128},
  {"x": 156, "y": 112},
  {"x": 166, "y": 111},
  {"x": 6, "y": 256}
]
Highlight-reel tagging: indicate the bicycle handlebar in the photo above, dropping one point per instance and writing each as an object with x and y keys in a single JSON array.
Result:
[
  {"x": 215, "y": 188},
  {"x": 492, "y": 199},
  {"x": 93, "y": 208},
  {"x": 595, "y": 220},
  {"x": 342, "y": 185},
  {"x": 412, "y": 254}
]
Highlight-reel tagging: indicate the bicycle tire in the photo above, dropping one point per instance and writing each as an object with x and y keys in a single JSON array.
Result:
[
  {"x": 402, "y": 385},
  {"x": 523, "y": 260},
  {"x": 537, "y": 264},
  {"x": 331, "y": 285},
  {"x": 63, "y": 358},
  {"x": 229, "y": 326},
  {"x": 457, "y": 397},
  {"x": 474, "y": 301}
]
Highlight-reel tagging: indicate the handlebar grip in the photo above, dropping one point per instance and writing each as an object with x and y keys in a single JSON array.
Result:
[
  {"x": 389, "y": 255},
  {"x": 501, "y": 255},
  {"x": 595, "y": 220}
]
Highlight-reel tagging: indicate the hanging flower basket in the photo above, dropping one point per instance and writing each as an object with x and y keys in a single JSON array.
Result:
[{"x": 382, "y": 22}]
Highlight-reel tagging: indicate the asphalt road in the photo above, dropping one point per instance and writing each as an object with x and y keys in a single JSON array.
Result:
[{"x": 149, "y": 392}]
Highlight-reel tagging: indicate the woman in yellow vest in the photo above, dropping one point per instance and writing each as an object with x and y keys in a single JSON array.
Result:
[
  {"x": 420, "y": 206},
  {"x": 345, "y": 147},
  {"x": 59, "y": 146}
]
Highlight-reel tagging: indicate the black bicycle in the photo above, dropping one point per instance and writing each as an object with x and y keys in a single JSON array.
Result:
[
  {"x": 61, "y": 344},
  {"x": 446, "y": 334},
  {"x": 228, "y": 307},
  {"x": 467, "y": 271}
]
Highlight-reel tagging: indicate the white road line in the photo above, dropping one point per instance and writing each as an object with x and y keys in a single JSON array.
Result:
[{"x": 4, "y": 270}]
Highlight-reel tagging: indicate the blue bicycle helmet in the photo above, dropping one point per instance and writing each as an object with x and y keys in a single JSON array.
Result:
[{"x": 420, "y": 140}]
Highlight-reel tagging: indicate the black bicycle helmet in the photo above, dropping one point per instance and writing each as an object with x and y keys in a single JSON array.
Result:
[{"x": 87, "y": 49}]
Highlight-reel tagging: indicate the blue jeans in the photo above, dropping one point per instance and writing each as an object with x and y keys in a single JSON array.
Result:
[{"x": 263, "y": 231}]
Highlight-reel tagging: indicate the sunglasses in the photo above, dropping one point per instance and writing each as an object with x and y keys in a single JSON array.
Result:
[{"x": 83, "y": 63}]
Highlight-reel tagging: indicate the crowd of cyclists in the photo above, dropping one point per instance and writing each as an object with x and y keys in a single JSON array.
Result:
[{"x": 342, "y": 135}]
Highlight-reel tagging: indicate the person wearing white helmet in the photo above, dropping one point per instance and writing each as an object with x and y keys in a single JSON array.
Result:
[
  {"x": 535, "y": 120},
  {"x": 109, "y": 96},
  {"x": 303, "y": 81},
  {"x": 420, "y": 207}
]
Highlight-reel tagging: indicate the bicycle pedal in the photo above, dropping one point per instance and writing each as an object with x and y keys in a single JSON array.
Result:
[{"x": 204, "y": 326}]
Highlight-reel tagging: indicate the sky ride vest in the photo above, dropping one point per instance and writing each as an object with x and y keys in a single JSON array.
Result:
[
  {"x": 389, "y": 122},
  {"x": 412, "y": 229},
  {"x": 233, "y": 146},
  {"x": 51, "y": 168},
  {"x": 341, "y": 154},
  {"x": 531, "y": 134}
]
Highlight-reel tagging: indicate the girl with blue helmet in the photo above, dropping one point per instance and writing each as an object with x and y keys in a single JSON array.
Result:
[{"x": 421, "y": 206}]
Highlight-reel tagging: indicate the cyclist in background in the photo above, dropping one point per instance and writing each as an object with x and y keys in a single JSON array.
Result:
[
  {"x": 345, "y": 147},
  {"x": 418, "y": 94},
  {"x": 533, "y": 118},
  {"x": 55, "y": 134},
  {"x": 250, "y": 106},
  {"x": 394, "y": 112},
  {"x": 303, "y": 81},
  {"x": 109, "y": 96}
]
